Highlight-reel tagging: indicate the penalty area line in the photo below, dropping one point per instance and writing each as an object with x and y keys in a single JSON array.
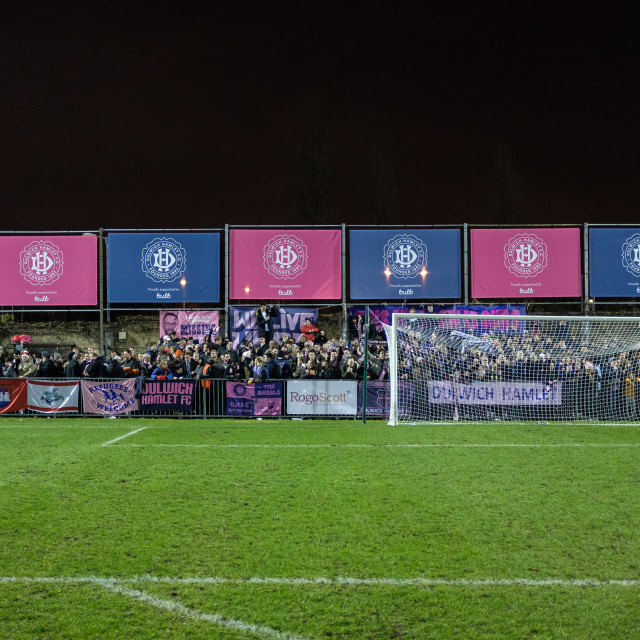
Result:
[
  {"x": 388, "y": 445},
  {"x": 338, "y": 581},
  {"x": 126, "y": 435},
  {"x": 215, "y": 618}
]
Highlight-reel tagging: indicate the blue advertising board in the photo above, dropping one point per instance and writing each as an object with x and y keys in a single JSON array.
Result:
[
  {"x": 404, "y": 264},
  {"x": 614, "y": 262},
  {"x": 149, "y": 267}
]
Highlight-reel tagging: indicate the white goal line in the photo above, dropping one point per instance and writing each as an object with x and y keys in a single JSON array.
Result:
[
  {"x": 383, "y": 445},
  {"x": 339, "y": 581}
]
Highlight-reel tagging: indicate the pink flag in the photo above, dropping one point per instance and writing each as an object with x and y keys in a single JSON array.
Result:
[
  {"x": 525, "y": 263},
  {"x": 48, "y": 271},
  {"x": 282, "y": 264}
]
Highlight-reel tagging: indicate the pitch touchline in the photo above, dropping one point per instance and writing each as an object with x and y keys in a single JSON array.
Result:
[
  {"x": 373, "y": 445},
  {"x": 393, "y": 582}
]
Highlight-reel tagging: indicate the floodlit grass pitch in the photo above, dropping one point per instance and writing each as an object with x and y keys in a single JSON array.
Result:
[{"x": 231, "y": 529}]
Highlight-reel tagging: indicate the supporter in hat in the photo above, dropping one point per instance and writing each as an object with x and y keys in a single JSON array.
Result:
[{"x": 27, "y": 367}]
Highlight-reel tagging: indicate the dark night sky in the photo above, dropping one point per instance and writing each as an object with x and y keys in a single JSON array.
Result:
[{"x": 187, "y": 115}]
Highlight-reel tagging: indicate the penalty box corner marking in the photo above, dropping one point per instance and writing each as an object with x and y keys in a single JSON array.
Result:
[{"x": 126, "y": 435}]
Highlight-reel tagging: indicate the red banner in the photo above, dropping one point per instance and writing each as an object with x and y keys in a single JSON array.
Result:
[{"x": 13, "y": 395}]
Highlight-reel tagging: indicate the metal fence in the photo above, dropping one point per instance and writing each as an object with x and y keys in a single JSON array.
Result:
[{"x": 210, "y": 399}]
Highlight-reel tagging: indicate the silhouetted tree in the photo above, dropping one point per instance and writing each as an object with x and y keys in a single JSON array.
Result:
[
  {"x": 384, "y": 207},
  {"x": 316, "y": 200},
  {"x": 507, "y": 201}
]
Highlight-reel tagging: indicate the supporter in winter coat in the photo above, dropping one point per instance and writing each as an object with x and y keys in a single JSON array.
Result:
[
  {"x": 130, "y": 364},
  {"x": 309, "y": 330},
  {"x": 113, "y": 368},
  {"x": 73, "y": 368},
  {"x": 46, "y": 368},
  {"x": 146, "y": 367},
  {"x": 162, "y": 372},
  {"x": 8, "y": 370},
  {"x": 27, "y": 367},
  {"x": 259, "y": 371}
]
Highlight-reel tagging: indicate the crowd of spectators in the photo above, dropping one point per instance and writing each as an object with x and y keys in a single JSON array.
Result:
[
  {"x": 596, "y": 377},
  {"x": 312, "y": 355}
]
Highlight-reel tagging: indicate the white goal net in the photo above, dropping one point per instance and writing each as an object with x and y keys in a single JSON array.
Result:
[{"x": 452, "y": 367}]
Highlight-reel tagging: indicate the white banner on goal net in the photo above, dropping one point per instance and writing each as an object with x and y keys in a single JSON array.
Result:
[{"x": 468, "y": 367}]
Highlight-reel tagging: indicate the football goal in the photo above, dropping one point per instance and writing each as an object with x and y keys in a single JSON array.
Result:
[{"x": 452, "y": 367}]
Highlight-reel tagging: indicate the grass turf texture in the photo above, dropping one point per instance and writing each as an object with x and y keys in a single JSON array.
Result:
[{"x": 163, "y": 533}]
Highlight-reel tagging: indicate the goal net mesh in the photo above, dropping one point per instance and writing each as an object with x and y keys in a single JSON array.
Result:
[{"x": 452, "y": 367}]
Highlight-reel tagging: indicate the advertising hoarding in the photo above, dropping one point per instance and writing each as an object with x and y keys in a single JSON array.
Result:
[
  {"x": 151, "y": 267},
  {"x": 526, "y": 263},
  {"x": 396, "y": 264},
  {"x": 48, "y": 271},
  {"x": 282, "y": 264},
  {"x": 614, "y": 262}
]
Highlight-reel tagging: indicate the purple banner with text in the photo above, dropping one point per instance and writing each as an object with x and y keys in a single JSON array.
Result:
[
  {"x": 495, "y": 393},
  {"x": 506, "y": 315},
  {"x": 261, "y": 399},
  {"x": 190, "y": 323},
  {"x": 109, "y": 398},
  {"x": 243, "y": 321},
  {"x": 167, "y": 395}
]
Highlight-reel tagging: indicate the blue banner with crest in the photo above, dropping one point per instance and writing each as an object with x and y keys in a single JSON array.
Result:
[
  {"x": 614, "y": 262},
  {"x": 161, "y": 267},
  {"x": 405, "y": 264}
]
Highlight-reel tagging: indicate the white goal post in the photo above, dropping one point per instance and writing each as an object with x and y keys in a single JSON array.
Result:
[{"x": 459, "y": 367}]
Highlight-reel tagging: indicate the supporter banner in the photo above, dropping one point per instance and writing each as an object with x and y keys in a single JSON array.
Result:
[
  {"x": 322, "y": 397},
  {"x": 525, "y": 263},
  {"x": 13, "y": 395},
  {"x": 53, "y": 397},
  {"x": 260, "y": 399},
  {"x": 284, "y": 264},
  {"x": 289, "y": 320},
  {"x": 190, "y": 323},
  {"x": 404, "y": 264},
  {"x": 495, "y": 393},
  {"x": 614, "y": 262},
  {"x": 504, "y": 323},
  {"x": 47, "y": 271},
  {"x": 149, "y": 267},
  {"x": 167, "y": 395},
  {"x": 378, "y": 398},
  {"x": 109, "y": 398}
]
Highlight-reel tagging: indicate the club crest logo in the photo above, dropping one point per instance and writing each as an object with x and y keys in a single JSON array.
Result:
[
  {"x": 525, "y": 255},
  {"x": 405, "y": 256},
  {"x": 164, "y": 259},
  {"x": 285, "y": 257},
  {"x": 41, "y": 263},
  {"x": 631, "y": 254}
]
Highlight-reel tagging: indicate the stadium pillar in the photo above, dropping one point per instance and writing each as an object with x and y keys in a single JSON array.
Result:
[
  {"x": 366, "y": 363},
  {"x": 101, "y": 286}
]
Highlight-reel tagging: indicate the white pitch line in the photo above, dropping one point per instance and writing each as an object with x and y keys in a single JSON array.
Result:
[
  {"x": 126, "y": 435},
  {"x": 387, "y": 445},
  {"x": 176, "y": 607},
  {"x": 344, "y": 581}
]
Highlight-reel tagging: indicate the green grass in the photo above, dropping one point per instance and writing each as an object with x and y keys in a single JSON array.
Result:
[{"x": 200, "y": 529}]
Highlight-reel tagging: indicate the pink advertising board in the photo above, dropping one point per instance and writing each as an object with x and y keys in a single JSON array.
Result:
[
  {"x": 284, "y": 264},
  {"x": 48, "y": 271},
  {"x": 525, "y": 263}
]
